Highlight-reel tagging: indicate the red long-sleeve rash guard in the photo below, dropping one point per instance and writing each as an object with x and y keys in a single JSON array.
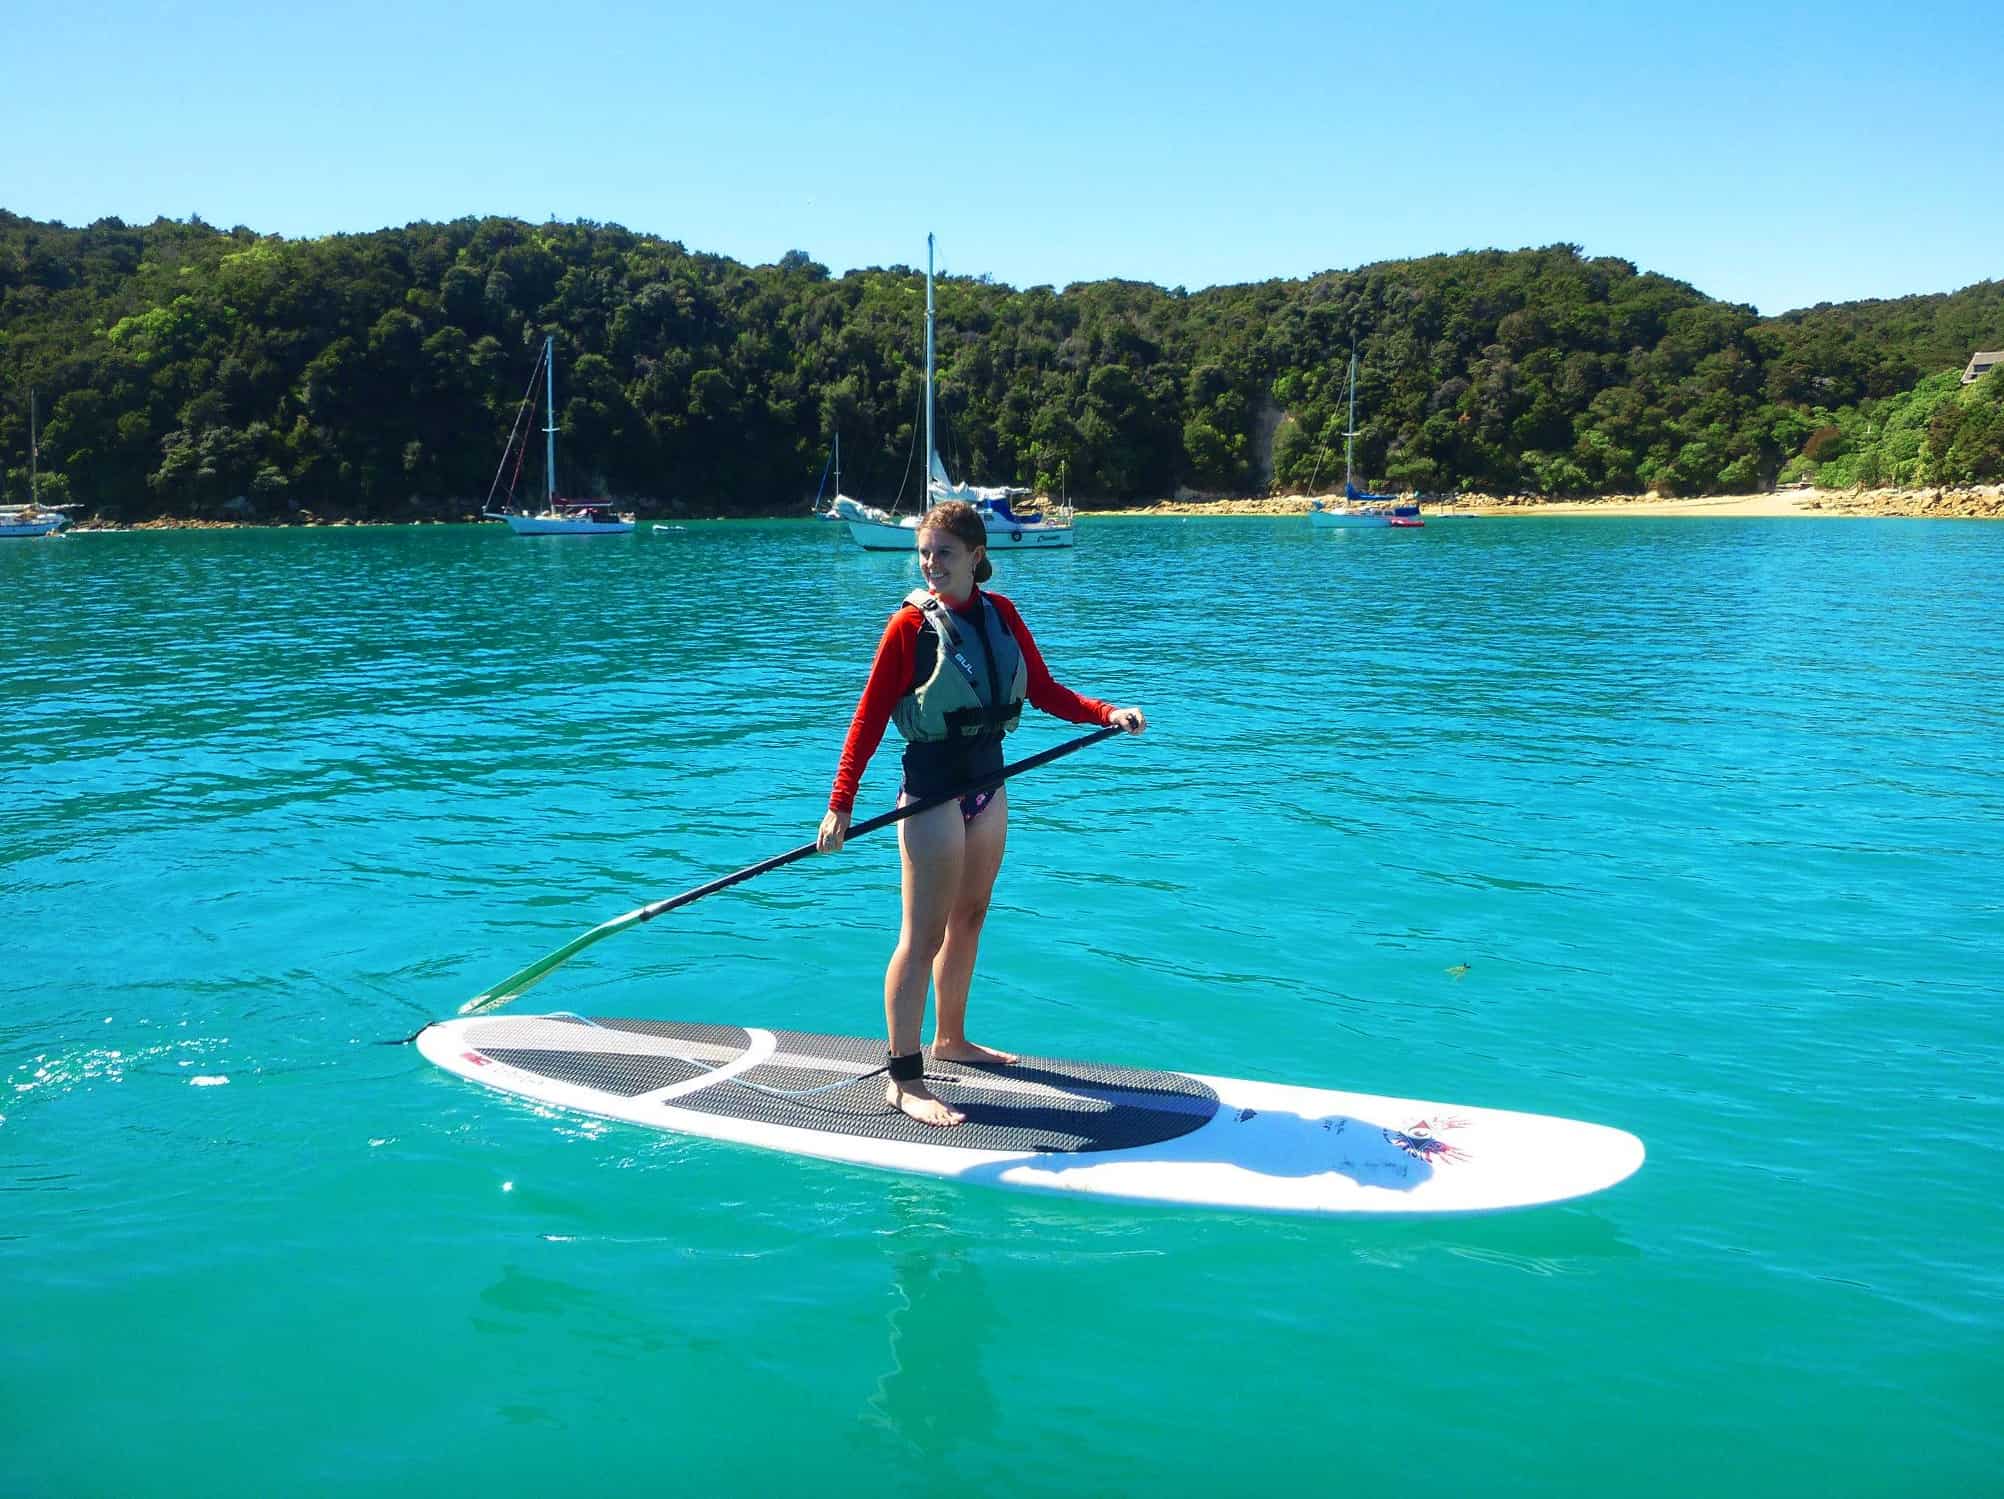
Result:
[{"x": 891, "y": 679}]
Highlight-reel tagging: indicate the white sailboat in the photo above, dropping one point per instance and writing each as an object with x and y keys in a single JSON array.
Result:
[
  {"x": 558, "y": 517},
  {"x": 872, "y": 528},
  {"x": 33, "y": 518},
  {"x": 882, "y": 531},
  {"x": 1359, "y": 509}
]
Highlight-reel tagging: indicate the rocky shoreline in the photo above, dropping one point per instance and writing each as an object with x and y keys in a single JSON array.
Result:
[{"x": 1977, "y": 502}]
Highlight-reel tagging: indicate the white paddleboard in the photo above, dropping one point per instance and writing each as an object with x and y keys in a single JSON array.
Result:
[{"x": 1045, "y": 1125}]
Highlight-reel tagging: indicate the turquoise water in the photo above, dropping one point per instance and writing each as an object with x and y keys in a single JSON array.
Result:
[{"x": 1709, "y": 810}]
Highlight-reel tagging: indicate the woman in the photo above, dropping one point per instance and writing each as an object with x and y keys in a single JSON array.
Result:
[{"x": 952, "y": 671}]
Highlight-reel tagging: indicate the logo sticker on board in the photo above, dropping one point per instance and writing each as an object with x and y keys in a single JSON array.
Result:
[{"x": 1422, "y": 1140}]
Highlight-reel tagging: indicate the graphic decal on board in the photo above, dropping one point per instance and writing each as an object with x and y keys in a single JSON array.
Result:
[{"x": 1422, "y": 1139}]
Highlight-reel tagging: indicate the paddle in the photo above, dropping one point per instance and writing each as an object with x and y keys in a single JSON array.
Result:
[{"x": 516, "y": 984}]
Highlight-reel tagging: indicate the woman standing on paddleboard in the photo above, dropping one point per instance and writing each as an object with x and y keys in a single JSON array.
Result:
[{"x": 952, "y": 672}]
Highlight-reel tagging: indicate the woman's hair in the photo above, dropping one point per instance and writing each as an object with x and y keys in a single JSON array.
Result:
[{"x": 961, "y": 521}]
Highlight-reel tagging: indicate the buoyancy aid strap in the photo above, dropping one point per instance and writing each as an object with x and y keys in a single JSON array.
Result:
[
  {"x": 934, "y": 609},
  {"x": 950, "y": 636},
  {"x": 963, "y": 721}
]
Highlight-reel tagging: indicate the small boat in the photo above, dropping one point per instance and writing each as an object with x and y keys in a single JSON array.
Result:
[
  {"x": 557, "y": 517},
  {"x": 1360, "y": 510},
  {"x": 880, "y": 530},
  {"x": 872, "y": 528},
  {"x": 33, "y": 518},
  {"x": 567, "y": 518}
]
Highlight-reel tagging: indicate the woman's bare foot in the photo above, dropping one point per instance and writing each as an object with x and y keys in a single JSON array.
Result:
[
  {"x": 913, "y": 1099},
  {"x": 967, "y": 1051}
]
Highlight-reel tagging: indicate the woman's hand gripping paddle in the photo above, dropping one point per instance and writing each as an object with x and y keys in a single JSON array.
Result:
[{"x": 516, "y": 984}]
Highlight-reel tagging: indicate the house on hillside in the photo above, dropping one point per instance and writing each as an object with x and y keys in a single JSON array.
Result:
[{"x": 1980, "y": 363}]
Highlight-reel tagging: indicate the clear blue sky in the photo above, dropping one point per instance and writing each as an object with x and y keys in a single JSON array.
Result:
[{"x": 1773, "y": 155}]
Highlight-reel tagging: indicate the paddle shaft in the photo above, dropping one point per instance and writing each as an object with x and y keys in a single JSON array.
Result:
[
  {"x": 516, "y": 984},
  {"x": 881, "y": 820}
]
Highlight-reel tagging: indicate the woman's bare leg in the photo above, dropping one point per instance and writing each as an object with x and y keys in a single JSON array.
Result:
[
  {"x": 953, "y": 969},
  {"x": 932, "y": 846}
]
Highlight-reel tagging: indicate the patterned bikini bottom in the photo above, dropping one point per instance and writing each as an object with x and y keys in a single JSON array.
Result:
[{"x": 971, "y": 806}]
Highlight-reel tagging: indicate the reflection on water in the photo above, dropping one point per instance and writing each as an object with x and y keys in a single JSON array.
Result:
[{"x": 932, "y": 1395}]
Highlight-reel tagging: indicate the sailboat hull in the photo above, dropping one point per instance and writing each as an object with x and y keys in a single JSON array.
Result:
[
  {"x": 878, "y": 537},
  {"x": 561, "y": 525},
  {"x": 884, "y": 536},
  {"x": 1001, "y": 538}
]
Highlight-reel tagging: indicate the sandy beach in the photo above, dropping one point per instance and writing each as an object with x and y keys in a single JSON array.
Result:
[{"x": 1981, "y": 502}]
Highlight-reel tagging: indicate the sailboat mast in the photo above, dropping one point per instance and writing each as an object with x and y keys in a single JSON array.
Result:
[
  {"x": 930, "y": 449},
  {"x": 34, "y": 451},
  {"x": 550, "y": 408},
  {"x": 838, "y": 463},
  {"x": 1350, "y": 433}
]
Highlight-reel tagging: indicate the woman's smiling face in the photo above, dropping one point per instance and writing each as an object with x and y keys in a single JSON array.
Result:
[{"x": 947, "y": 562}]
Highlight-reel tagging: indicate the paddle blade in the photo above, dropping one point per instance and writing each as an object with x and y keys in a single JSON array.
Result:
[{"x": 518, "y": 984}]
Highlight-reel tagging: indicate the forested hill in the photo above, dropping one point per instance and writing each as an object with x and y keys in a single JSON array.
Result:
[{"x": 179, "y": 366}]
